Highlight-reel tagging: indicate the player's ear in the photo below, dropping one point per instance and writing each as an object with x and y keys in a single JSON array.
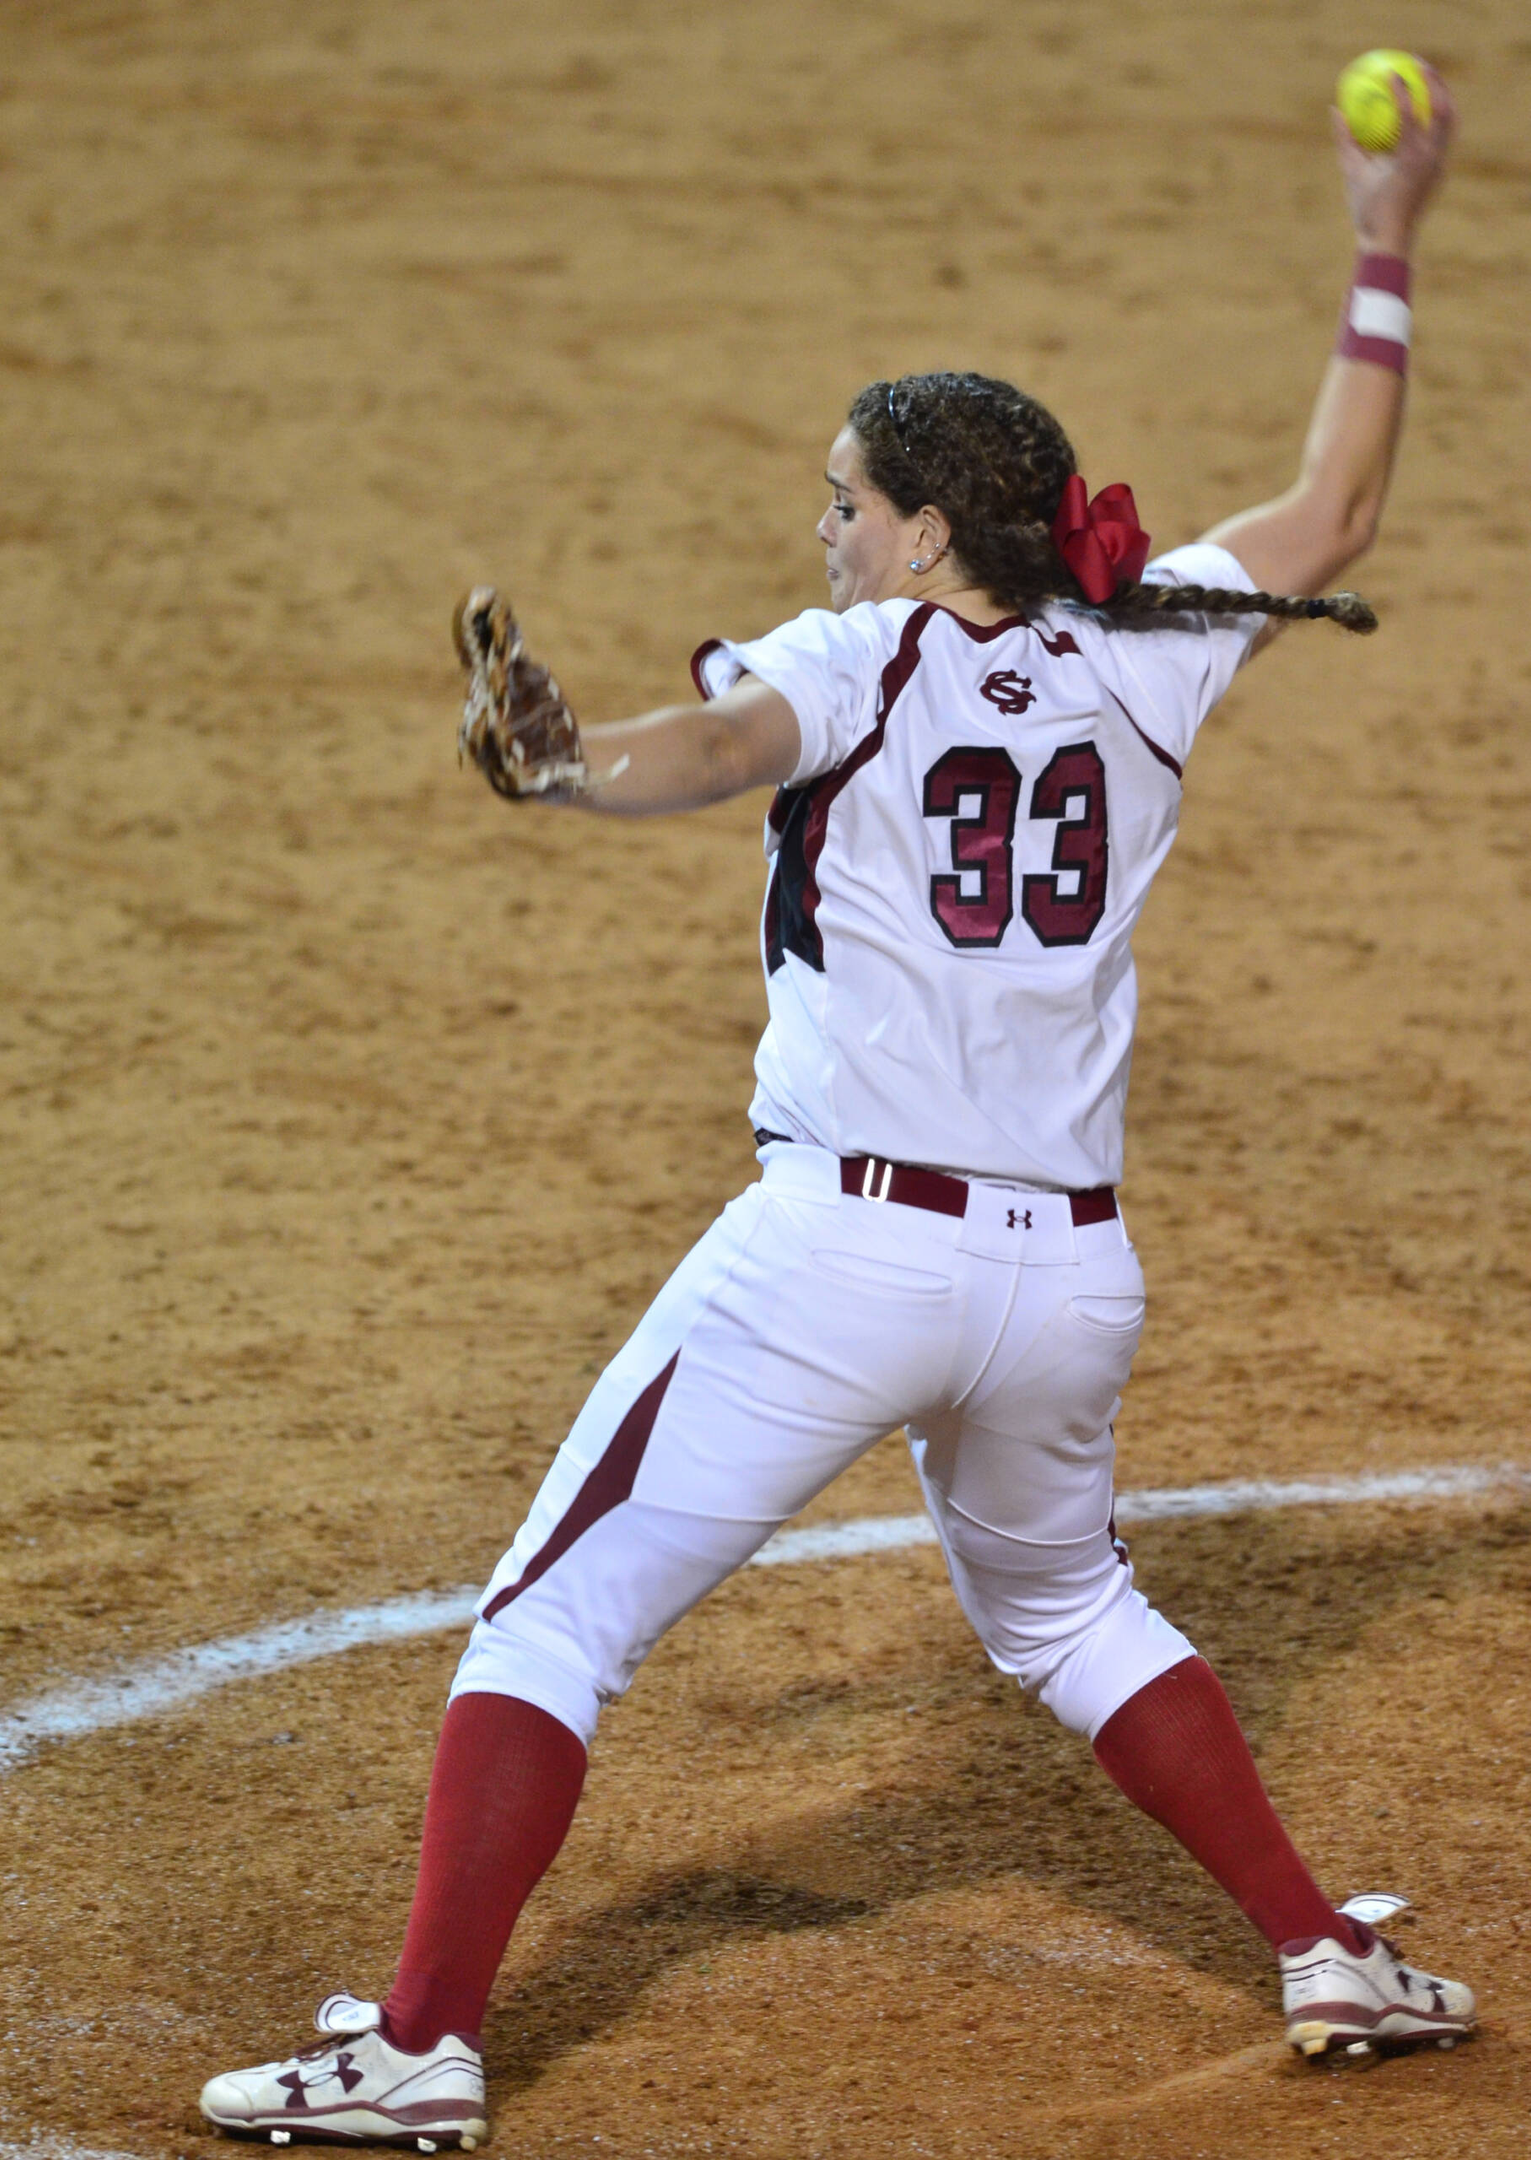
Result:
[
  {"x": 935, "y": 530},
  {"x": 933, "y": 538}
]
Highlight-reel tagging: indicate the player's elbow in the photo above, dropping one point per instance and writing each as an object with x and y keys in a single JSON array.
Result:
[
  {"x": 1337, "y": 532},
  {"x": 747, "y": 742},
  {"x": 1356, "y": 532}
]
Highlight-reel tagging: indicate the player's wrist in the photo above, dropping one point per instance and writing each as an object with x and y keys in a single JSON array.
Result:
[
  {"x": 1376, "y": 323},
  {"x": 1385, "y": 236}
]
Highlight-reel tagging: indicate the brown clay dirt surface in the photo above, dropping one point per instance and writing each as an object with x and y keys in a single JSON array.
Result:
[{"x": 349, "y": 1120}]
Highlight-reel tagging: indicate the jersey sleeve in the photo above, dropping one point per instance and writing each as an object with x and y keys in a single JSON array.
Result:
[
  {"x": 827, "y": 668},
  {"x": 1172, "y": 678}
]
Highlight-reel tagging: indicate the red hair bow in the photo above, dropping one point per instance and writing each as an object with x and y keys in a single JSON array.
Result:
[{"x": 1101, "y": 541}]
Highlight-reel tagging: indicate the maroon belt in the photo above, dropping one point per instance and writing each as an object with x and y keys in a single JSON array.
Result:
[{"x": 868, "y": 1177}]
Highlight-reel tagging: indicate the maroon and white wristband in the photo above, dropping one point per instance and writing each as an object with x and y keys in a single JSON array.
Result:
[{"x": 1376, "y": 323}]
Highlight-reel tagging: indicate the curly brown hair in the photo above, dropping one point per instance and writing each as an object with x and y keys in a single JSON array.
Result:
[{"x": 995, "y": 463}]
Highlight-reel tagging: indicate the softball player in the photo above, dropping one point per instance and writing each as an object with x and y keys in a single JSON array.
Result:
[{"x": 977, "y": 757}]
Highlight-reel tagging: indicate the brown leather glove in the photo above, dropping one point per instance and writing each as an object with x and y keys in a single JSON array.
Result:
[{"x": 515, "y": 724}]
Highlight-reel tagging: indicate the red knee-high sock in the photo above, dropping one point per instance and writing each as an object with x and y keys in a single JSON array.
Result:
[
  {"x": 1176, "y": 1751},
  {"x": 504, "y": 1787}
]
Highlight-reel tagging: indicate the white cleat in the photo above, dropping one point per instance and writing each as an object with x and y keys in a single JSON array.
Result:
[
  {"x": 1335, "y": 1999},
  {"x": 356, "y": 2088}
]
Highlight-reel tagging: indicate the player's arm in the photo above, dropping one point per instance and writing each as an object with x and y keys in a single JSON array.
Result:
[
  {"x": 685, "y": 756},
  {"x": 1301, "y": 542}
]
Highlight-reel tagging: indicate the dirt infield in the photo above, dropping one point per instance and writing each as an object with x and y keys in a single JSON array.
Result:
[{"x": 347, "y": 1121}]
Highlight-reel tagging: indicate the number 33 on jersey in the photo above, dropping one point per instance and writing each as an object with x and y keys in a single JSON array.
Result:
[{"x": 957, "y": 866}]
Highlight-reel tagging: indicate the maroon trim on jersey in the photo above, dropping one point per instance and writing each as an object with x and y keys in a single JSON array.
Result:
[
  {"x": 607, "y": 1486},
  {"x": 895, "y": 680},
  {"x": 770, "y": 928},
  {"x": 1162, "y": 755},
  {"x": 708, "y": 645},
  {"x": 781, "y": 801},
  {"x": 800, "y": 815},
  {"x": 980, "y": 633}
]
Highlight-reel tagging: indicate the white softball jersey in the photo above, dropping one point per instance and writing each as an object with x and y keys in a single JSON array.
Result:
[{"x": 957, "y": 865}]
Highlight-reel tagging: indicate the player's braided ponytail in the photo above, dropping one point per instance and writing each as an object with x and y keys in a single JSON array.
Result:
[
  {"x": 1142, "y": 603},
  {"x": 996, "y": 463}
]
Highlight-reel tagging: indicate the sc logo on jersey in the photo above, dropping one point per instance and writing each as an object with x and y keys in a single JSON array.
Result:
[{"x": 1012, "y": 693}]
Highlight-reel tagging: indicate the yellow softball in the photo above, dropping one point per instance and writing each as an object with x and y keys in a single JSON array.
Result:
[{"x": 1364, "y": 95}]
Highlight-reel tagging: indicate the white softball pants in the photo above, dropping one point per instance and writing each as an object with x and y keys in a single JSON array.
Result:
[{"x": 805, "y": 1326}]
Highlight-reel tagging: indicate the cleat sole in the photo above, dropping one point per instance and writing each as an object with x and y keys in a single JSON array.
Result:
[
  {"x": 466, "y": 2138},
  {"x": 1314, "y": 2039}
]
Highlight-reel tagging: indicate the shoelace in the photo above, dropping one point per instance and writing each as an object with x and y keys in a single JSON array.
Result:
[{"x": 336, "y": 2045}]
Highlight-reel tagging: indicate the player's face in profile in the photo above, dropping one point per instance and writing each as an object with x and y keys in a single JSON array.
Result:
[{"x": 866, "y": 543}]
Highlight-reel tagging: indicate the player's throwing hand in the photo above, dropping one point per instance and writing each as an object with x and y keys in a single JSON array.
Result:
[{"x": 1388, "y": 192}]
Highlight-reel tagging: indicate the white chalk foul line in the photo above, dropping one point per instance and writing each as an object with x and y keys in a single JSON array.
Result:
[
  {"x": 43, "y": 2147},
  {"x": 887, "y": 1533},
  {"x": 160, "y": 1685}
]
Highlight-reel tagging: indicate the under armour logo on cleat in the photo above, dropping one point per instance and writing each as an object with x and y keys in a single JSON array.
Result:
[
  {"x": 343, "y": 2069},
  {"x": 1025, "y": 1221}
]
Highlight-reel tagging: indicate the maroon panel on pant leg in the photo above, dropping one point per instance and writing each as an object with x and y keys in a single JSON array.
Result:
[{"x": 607, "y": 1486}]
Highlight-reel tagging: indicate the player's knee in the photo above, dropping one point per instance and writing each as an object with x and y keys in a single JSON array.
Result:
[
  {"x": 1108, "y": 1663},
  {"x": 502, "y": 1660},
  {"x": 571, "y": 1637},
  {"x": 1064, "y": 1619}
]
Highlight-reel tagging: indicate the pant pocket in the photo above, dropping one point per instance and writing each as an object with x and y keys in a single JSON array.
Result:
[
  {"x": 1112, "y": 1316},
  {"x": 865, "y": 1271}
]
